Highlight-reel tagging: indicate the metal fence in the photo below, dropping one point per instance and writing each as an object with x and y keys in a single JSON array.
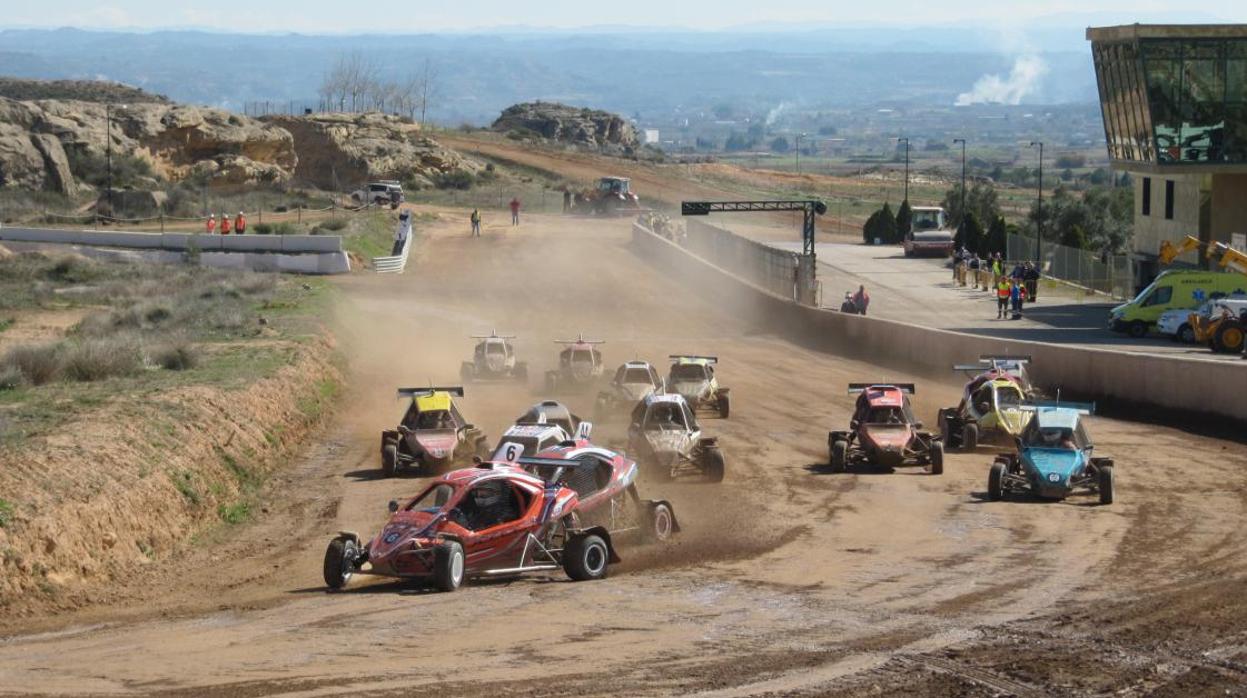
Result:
[
  {"x": 1107, "y": 274},
  {"x": 772, "y": 269}
]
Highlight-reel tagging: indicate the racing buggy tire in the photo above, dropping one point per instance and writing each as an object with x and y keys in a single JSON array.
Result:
[
  {"x": 713, "y": 465},
  {"x": 448, "y": 564},
  {"x": 586, "y": 558},
  {"x": 389, "y": 459},
  {"x": 996, "y": 482},
  {"x": 659, "y": 523},
  {"x": 339, "y": 562},
  {"x": 725, "y": 405},
  {"x": 937, "y": 457},
  {"x": 839, "y": 456},
  {"x": 969, "y": 437},
  {"x": 948, "y": 429},
  {"x": 1229, "y": 337},
  {"x": 1104, "y": 483}
]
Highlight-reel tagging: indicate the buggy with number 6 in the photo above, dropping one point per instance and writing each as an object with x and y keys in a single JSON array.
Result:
[
  {"x": 1053, "y": 458},
  {"x": 564, "y": 509}
]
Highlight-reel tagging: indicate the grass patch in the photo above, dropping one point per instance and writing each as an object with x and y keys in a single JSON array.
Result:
[
  {"x": 6, "y": 513},
  {"x": 247, "y": 479},
  {"x": 6, "y": 323},
  {"x": 98, "y": 359},
  {"x": 235, "y": 513},
  {"x": 38, "y": 363},
  {"x": 313, "y": 405},
  {"x": 184, "y": 481}
]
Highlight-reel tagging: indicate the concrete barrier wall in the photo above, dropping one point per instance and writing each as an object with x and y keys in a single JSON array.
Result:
[
  {"x": 291, "y": 244},
  {"x": 1121, "y": 381}
]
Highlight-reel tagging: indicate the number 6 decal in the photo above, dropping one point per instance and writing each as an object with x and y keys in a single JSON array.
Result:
[{"x": 509, "y": 452}]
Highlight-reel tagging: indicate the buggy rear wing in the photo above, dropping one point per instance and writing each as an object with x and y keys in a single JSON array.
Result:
[
  {"x": 555, "y": 466},
  {"x": 990, "y": 361},
  {"x": 707, "y": 359},
  {"x": 456, "y": 390},
  {"x": 855, "y": 388},
  {"x": 1083, "y": 408},
  {"x": 492, "y": 336},
  {"x": 992, "y": 358}
]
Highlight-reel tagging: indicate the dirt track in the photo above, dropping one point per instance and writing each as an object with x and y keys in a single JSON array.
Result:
[{"x": 785, "y": 581}]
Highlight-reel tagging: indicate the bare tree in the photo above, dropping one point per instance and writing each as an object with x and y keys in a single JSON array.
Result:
[{"x": 427, "y": 88}]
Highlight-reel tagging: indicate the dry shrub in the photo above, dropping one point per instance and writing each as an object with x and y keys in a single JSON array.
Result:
[
  {"x": 11, "y": 378},
  {"x": 93, "y": 359},
  {"x": 178, "y": 356},
  {"x": 38, "y": 363}
]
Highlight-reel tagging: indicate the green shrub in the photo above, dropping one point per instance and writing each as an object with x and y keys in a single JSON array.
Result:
[
  {"x": 38, "y": 363},
  {"x": 334, "y": 224},
  {"x": 6, "y": 513},
  {"x": 275, "y": 229},
  {"x": 99, "y": 358},
  {"x": 455, "y": 179},
  {"x": 11, "y": 378},
  {"x": 234, "y": 513}
]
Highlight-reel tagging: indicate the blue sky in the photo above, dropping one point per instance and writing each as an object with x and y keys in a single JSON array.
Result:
[{"x": 414, "y": 16}]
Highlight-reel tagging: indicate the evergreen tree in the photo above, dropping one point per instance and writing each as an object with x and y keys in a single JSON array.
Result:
[
  {"x": 904, "y": 221},
  {"x": 972, "y": 234},
  {"x": 886, "y": 230},
  {"x": 997, "y": 239}
]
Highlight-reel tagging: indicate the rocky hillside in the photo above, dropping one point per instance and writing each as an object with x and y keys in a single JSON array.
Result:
[
  {"x": 79, "y": 90},
  {"x": 565, "y": 124},
  {"x": 60, "y": 144},
  {"x": 336, "y": 151}
]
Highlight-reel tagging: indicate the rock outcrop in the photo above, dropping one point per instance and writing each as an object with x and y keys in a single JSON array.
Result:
[
  {"x": 339, "y": 152},
  {"x": 38, "y": 140},
  {"x": 565, "y": 124}
]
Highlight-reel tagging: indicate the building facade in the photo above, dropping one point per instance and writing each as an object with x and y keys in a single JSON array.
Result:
[{"x": 1174, "y": 103}]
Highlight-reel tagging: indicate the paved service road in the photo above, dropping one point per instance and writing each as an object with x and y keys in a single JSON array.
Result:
[{"x": 921, "y": 291}]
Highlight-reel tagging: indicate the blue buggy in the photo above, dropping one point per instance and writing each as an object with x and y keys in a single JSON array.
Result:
[{"x": 1053, "y": 458}]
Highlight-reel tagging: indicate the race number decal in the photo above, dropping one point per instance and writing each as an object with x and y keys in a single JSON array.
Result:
[{"x": 510, "y": 451}]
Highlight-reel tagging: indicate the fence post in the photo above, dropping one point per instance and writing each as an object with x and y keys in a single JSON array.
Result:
[{"x": 162, "y": 221}]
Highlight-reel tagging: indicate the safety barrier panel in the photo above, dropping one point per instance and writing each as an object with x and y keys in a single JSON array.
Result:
[
  {"x": 394, "y": 264},
  {"x": 1134, "y": 383}
]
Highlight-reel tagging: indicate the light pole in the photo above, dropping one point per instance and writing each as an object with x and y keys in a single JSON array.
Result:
[
  {"x": 1039, "y": 210},
  {"x": 906, "y": 142},
  {"x": 799, "y": 137},
  {"x": 962, "y": 222}
]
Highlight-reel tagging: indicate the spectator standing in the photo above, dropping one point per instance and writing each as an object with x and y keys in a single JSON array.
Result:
[
  {"x": 476, "y": 222},
  {"x": 515, "y": 210},
  {"x": 240, "y": 224},
  {"x": 1002, "y": 297},
  {"x": 998, "y": 268},
  {"x": 1031, "y": 275},
  {"x": 567, "y": 200},
  {"x": 1017, "y": 294},
  {"x": 974, "y": 269},
  {"x": 861, "y": 299},
  {"x": 225, "y": 224},
  {"x": 211, "y": 223}
]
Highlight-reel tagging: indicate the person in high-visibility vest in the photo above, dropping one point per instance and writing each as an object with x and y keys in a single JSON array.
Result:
[
  {"x": 211, "y": 224},
  {"x": 1002, "y": 297},
  {"x": 225, "y": 224},
  {"x": 240, "y": 224}
]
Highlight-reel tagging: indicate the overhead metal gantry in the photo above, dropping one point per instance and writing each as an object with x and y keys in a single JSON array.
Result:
[{"x": 809, "y": 207}]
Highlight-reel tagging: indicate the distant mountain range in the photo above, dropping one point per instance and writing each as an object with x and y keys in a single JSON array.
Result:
[{"x": 646, "y": 72}]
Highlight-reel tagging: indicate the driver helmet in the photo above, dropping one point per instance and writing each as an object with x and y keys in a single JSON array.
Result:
[
  {"x": 487, "y": 495},
  {"x": 1051, "y": 437}
]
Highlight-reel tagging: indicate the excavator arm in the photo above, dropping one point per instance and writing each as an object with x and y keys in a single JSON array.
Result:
[{"x": 1229, "y": 257}]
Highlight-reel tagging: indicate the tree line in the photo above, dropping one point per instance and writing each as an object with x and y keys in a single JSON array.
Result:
[
  {"x": 1100, "y": 220},
  {"x": 354, "y": 83}
]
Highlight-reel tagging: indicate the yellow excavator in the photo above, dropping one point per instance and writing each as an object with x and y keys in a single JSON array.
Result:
[{"x": 1222, "y": 332}]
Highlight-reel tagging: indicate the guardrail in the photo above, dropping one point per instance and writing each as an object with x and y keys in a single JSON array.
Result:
[
  {"x": 393, "y": 264},
  {"x": 1146, "y": 385}
]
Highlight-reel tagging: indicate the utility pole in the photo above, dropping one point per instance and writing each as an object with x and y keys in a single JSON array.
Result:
[
  {"x": 962, "y": 141},
  {"x": 1039, "y": 219},
  {"x": 906, "y": 142}
]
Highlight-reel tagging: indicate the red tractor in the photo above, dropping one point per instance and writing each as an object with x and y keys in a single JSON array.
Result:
[
  {"x": 613, "y": 196},
  {"x": 884, "y": 433}
]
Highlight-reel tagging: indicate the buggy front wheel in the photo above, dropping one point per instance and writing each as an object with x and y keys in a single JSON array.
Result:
[
  {"x": 937, "y": 457},
  {"x": 1104, "y": 481},
  {"x": 996, "y": 482},
  {"x": 839, "y": 456},
  {"x": 586, "y": 558}
]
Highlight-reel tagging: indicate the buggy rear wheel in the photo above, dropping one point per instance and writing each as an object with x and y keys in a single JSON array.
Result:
[
  {"x": 586, "y": 558},
  {"x": 448, "y": 564},
  {"x": 937, "y": 457},
  {"x": 340, "y": 562},
  {"x": 970, "y": 437},
  {"x": 725, "y": 405},
  {"x": 1104, "y": 480},
  {"x": 948, "y": 429},
  {"x": 389, "y": 459},
  {"x": 996, "y": 482},
  {"x": 659, "y": 523}
]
